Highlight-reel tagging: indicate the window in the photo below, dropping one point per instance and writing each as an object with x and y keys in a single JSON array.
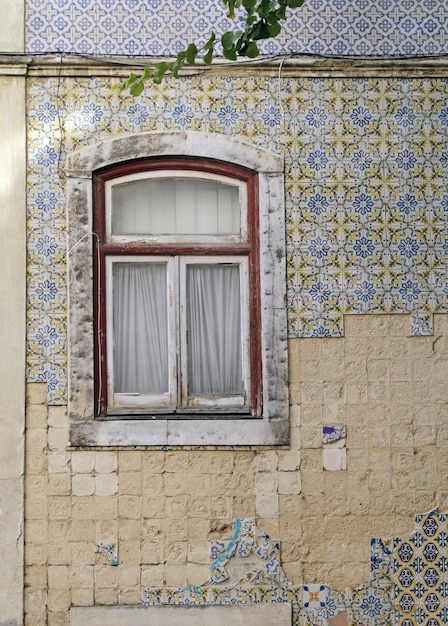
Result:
[
  {"x": 177, "y": 284},
  {"x": 177, "y": 270}
]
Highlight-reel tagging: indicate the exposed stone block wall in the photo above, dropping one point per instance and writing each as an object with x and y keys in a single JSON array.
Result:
[
  {"x": 390, "y": 390},
  {"x": 163, "y": 507}
]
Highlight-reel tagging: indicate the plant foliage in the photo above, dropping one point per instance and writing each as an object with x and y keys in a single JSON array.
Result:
[{"x": 260, "y": 19}]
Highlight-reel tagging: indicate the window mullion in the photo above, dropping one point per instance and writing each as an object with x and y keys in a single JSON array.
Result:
[
  {"x": 173, "y": 337},
  {"x": 182, "y": 332}
]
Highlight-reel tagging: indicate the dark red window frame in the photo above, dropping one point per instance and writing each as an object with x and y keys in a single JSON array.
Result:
[{"x": 102, "y": 249}]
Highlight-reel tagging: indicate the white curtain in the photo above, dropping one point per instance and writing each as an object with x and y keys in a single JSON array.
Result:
[
  {"x": 140, "y": 328},
  {"x": 175, "y": 205},
  {"x": 214, "y": 330}
]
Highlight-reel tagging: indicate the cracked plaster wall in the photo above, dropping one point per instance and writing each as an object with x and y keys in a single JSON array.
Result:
[{"x": 163, "y": 507}]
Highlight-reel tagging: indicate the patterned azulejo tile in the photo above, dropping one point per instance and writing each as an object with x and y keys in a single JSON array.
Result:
[
  {"x": 153, "y": 28},
  {"x": 408, "y": 584},
  {"x": 366, "y": 187},
  {"x": 371, "y": 605},
  {"x": 420, "y": 567}
]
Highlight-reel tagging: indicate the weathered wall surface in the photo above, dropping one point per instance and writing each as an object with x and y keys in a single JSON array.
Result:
[
  {"x": 366, "y": 242},
  {"x": 390, "y": 390},
  {"x": 243, "y": 615},
  {"x": 12, "y": 311},
  {"x": 12, "y": 339},
  {"x": 366, "y": 180},
  {"x": 366, "y": 190},
  {"x": 163, "y": 507}
]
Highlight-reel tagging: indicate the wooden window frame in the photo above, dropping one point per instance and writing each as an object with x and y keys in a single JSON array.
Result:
[{"x": 104, "y": 248}]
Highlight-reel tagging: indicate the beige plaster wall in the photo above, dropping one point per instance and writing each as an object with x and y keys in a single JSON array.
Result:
[
  {"x": 12, "y": 310},
  {"x": 163, "y": 507},
  {"x": 12, "y": 339},
  {"x": 12, "y": 29}
]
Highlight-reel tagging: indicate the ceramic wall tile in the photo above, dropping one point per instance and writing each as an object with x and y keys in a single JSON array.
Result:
[
  {"x": 366, "y": 187},
  {"x": 311, "y": 604},
  {"x": 422, "y": 324},
  {"x": 408, "y": 584},
  {"x": 153, "y": 28},
  {"x": 109, "y": 549},
  {"x": 420, "y": 570}
]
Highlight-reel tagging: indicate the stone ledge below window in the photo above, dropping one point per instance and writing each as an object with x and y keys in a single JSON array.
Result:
[{"x": 180, "y": 432}]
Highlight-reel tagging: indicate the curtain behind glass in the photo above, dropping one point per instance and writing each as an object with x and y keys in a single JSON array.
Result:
[
  {"x": 140, "y": 328},
  {"x": 180, "y": 206},
  {"x": 214, "y": 330}
]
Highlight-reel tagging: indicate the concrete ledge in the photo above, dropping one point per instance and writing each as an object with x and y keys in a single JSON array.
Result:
[
  {"x": 161, "y": 432},
  {"x": 220, "y": 615}
]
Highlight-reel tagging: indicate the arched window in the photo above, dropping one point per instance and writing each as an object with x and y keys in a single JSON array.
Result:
[
  {"x": 177, "y": 286},
  {"x": 177, "y": 266}
]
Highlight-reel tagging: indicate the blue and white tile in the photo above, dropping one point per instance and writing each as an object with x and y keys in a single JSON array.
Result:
[
  {"x": 422, "y": 324},
  {"x": 53, "y": 374},
  {"x": 46, "y": 203},
  {"x": 46, "y": 291},
  {"x": 320, "y": 326},
  {"x": 339, "y": 28}
]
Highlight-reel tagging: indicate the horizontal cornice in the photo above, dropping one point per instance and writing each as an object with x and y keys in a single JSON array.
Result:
[{"x": 294, "y": 67}]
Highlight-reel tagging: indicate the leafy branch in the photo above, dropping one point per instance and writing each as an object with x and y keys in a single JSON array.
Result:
[{"x": 262, "y": 19}]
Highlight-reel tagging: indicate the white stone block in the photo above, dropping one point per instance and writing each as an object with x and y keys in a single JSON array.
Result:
[
  {"x": 83, "y": 485},
  {"x": 225, "y": 615},
  {"x": 266, "y": 505},
  {"x": 334, "y": 459},
  {"x": 105, "y": 462},
  {"x": 83, "y": 462},
  {"x": 106, "y": 485}
]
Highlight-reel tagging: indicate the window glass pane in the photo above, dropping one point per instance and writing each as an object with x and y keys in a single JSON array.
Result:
[
  {"x": 214, "y": 330},
  {"x": 140, "y": 321},
  {"x": 185, "y": 206}
]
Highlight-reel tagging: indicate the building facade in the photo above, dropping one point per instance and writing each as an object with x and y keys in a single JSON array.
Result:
[{"x": 314, "y": 478}]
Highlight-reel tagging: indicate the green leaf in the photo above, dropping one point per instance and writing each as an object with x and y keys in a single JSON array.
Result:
[
  {"x": 175, "y": 67},
  {"x": 251, "y": 50},
  {"x": 130, "y": 81},
  {"x": 208, "y": 58},
  {"x": 137, "y": 88},
  {"x": 231, "y": 11},
  {"x": 230, "y": 53},
  {"x": 260, "y": 30},
  {"x": 191, "y": 54},
  {"x": 229, "y": 38},
  {"x": 265, "y": 7},
  {"x": 209, "y": 43},
  {"x": 160, "y": 68},
  {"x": 274, "y": 29},
  {"x": 159, "y": 72}
]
